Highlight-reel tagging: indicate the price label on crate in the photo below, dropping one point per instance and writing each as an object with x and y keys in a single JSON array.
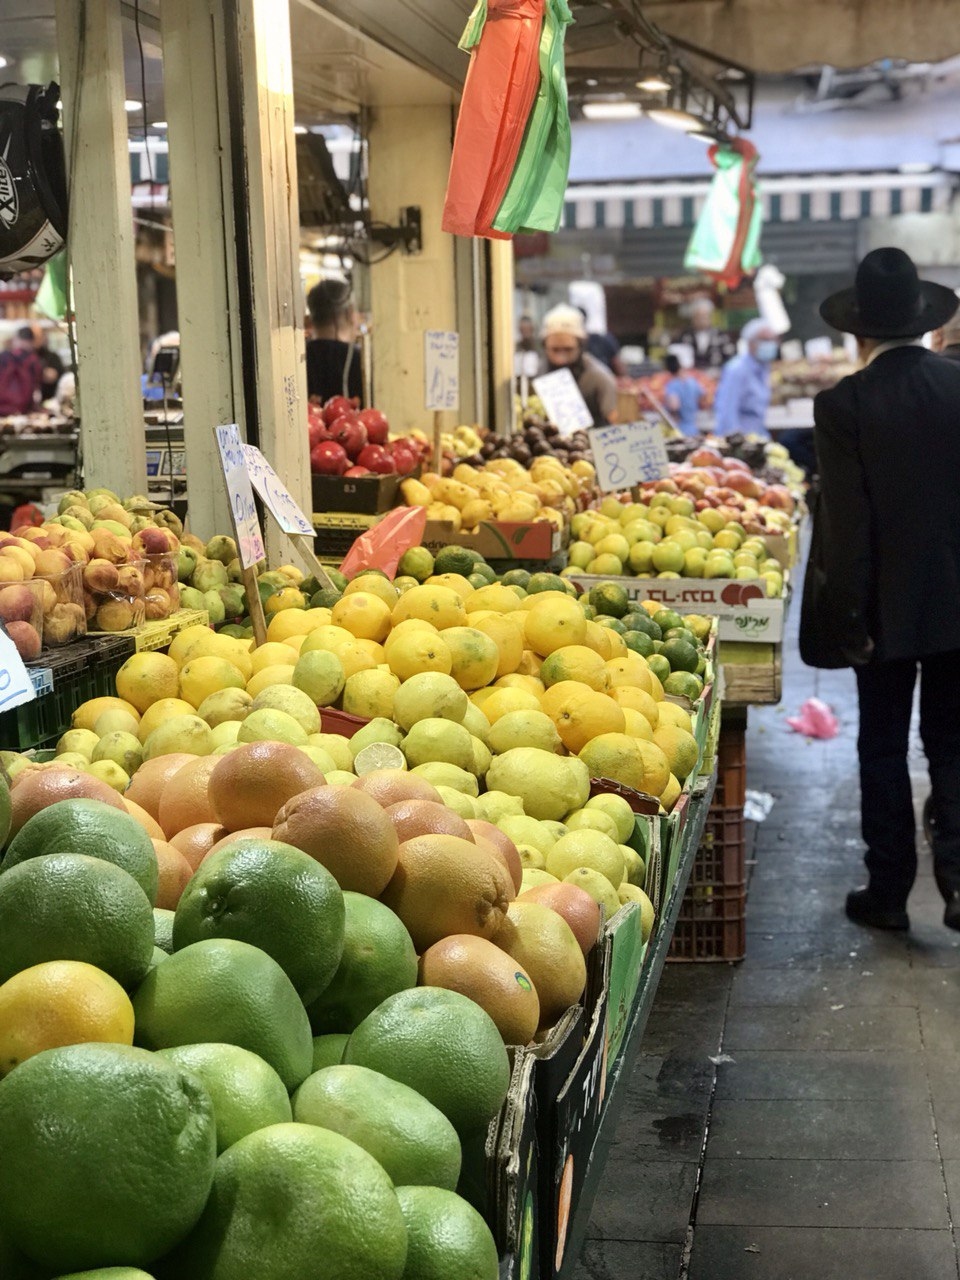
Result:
[
  {"x": 16, "y": 687},
  {"x": 242, "y": 507},
  {"x": 629, "y": 453},
  {"x": 275, "y": 495}
]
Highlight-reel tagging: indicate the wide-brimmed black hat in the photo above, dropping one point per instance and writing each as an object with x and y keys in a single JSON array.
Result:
[{"x": 889, "y": 300}]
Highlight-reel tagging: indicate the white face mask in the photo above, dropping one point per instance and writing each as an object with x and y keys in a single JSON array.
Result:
[{"x": 767, "y": 350}]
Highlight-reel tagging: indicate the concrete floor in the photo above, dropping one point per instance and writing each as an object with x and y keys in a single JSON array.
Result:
[{"x": 797, "y": 1116}]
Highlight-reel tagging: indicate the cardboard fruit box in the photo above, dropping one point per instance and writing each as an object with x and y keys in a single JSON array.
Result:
[{"x": 497, "y": 539}]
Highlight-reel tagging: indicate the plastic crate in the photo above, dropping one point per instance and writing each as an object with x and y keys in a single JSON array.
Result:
[
  {"x": 711, "y": 925},
  {"x": 721, "y": 858},
  {"x": 731, "y": 767}
]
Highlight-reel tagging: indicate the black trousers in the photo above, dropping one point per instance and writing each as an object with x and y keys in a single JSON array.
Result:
[{"x": 887, "y": 814}]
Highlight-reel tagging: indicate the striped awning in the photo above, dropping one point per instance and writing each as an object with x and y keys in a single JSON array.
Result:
[{"x": 810, "y": 198}]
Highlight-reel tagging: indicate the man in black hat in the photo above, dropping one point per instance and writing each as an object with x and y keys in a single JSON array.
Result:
[{"x": 882, "y": 592}]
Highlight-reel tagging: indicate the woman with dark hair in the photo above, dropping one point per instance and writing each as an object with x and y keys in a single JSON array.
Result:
[{"x": 333, "y": 358}]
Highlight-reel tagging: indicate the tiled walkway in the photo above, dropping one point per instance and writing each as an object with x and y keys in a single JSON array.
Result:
[{"x": 797, "y": 1117}]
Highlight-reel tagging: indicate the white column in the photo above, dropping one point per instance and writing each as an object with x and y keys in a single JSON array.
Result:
[
  {"x": 101, "y": 244},
  {"x": 502, "y": 339},
  {"x": 201, "y": 189}
]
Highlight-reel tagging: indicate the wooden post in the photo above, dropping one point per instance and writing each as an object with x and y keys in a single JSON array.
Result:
[
  {"x": 201, "y": 188},
  {"x": 501, "y": 335},
  {"x": 101, "y": 245},
  {"x": 437, "y": 442},
  {"x": 254, "y": 603}
]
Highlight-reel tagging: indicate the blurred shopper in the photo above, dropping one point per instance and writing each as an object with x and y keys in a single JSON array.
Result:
[
  {"x": 51, "y": 366},
  {"x": 603, "y": 346},
  {"x": 712, "y": 347},
  {"x": 946, "y": 340},
  {"x": 20, "y": 374},
  {"x": 882, "y": 591},
  {"x": 565, "y": 347},
  {"x": 743, "y": 395},
  {"x": 682, "y": 396},
  {"x": 333, "y": 357},
  {"x": 526, "y": 335}
]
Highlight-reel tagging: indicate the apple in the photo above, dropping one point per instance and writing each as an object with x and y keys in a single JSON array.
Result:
[
  {"x": 349, "y": 432},
  {"x": 378, "y": 459},
  {"x": 329, "y": 459},
  {"x": 378, "y": 428}
]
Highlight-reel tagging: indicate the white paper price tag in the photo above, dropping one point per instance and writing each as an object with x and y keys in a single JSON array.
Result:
[
  {"x": 628, "y": 454},
  {"x": 442, "y": 369},
  {"x": 242, "y": 506},
  {"x": 564, "y": 405},
  {"x": 275, "y": 495},
  {"x": 16, "y": 687}
]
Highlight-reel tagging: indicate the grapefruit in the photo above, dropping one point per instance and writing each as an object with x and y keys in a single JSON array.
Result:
[
  {"x": 443, "y": 885},
  {"x": 446, "y": 1236},
  {"x": 423, "y": 817},
  {"x": 542, "y": 942},
  {"x": 150, "y": 825},
  {"x": 195, "y": 842},
  {"x": 246, "y": 1092},
  {"x": 378, "y": 960},
  {"x": 87, "y": 827},
  {"x": 252, "y": 784},
  {"x": 346, "y": 831},
  {"x": 174, "y": 872},
  {"x": 66, "y": 906},
  {"x": 115, "y": 1156},
  {"x": 184, "y": 801},
  {"x": 42, "y": 788},
  {"x": 504, "y": 847},
  {"x": 406, "y": 1134},
  {"x": 221, "y": 990},
  {"x": 390, "y": 786},
  {"x": 147, "y": 785},
  {"x": 581, "y": 912},
  {"x": 488, "y": 976},
  {"x": 442, "y": 1045},
  {"x": 274, "y": 897}
]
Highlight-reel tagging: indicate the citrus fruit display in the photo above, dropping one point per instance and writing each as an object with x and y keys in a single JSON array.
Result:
[
  {"x": 247, "y": 1094},
  {"x": 445, "y": 1236}
]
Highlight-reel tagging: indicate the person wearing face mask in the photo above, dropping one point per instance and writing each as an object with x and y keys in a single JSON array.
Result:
[
  {"x": 565, "y": 347},
  {"x": 882, "y": 589},
  {"x": 743, "y": 395}
]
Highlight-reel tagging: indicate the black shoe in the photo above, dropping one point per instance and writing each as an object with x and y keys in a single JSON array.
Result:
[
  {"x": 863, "y": 908},
  {"x": 951, "y": 915}
]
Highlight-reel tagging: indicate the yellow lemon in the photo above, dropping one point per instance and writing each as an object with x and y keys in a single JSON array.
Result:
[
  {"x": 617, "y": 756},
  {"x": 376, "y": 651},
  {"x": 494, "y": 597},
  {"x": 558, "y": 695},
  {"x": 516, "y": 681},
  {"x": 88, "y": 713},
  {"x": 267, "y": 676},
  {"x": 636, "y": 724},
  {"x": 455, "y": 582},
  {"x": 269, "y": 655},
  {"x": 332, "y": 638},
  {"x": 182, "y": 641},
  {"x": 503, "y": 701},
  {"x": 373, "y": 584},
  {"x": 671, "y": 793},
  {"x": 576, "y": 662},
  {"x": 364, "y": 615},
  {"x": 147, "y": 677},
  {"x": 289, "y": 622},
  {"x": 656, "y": 769},
  {"x": 58, "y": 1003},
  {"x": 295, "y": 643},
  {"x": 586, "y": 716},
  {"x": 354, "y": 659},
  {"x": 434, "y": 604},
  {"x": 554, "y": 621},
  {"x": 411, "y": 652},
  {"x": 203, "y": 676},
  {"x": 160, "y": 711},
  {"x": 680, "y": 748},
  {"x": 598, "y": 639},
  {"x": 630, "y": 696},
  {"x": 631, "y": 670},
  {"x": 670, "y": 713},
  {"x": 530, "y": 664},
  {"x": 507, "y": 638},
  {"x": 370, "y": 694},
  {"x": 474, "y": 656}
]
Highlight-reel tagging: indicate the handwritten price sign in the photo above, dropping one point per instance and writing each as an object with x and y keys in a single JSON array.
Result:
[
  {"x": 16, "y": 687},
  {"x": 442, "y": 369},
  {"x": 275, "y": 495},
  {"x": 242, "y": 506},
  {"x": 628, "y": 454},
  {"x": 564, "y": 405}
]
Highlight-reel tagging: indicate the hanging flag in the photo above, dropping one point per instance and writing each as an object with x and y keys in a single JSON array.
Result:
[{"x": 726, "y": 240}]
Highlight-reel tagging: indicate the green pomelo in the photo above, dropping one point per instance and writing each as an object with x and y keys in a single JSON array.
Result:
[
  {"x": 247, "y": 1093},
  {"x": 328, "y": 1050},
  {"x": 446, "y": 1237}
]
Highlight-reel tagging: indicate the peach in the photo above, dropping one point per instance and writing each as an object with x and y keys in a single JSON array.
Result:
[
  {"x": 48, "y": 597},
  {"x": 89, "y": 605},
  {"x": 23, "y": 558},
  {"x": 101, "y": 575},
  {"x": 17, "y": 604},
  {"x": 10, "y": 571},
  {"x": 62, "y": 624},
  {"x": 130, "y": 580},
  {"x": 156, "y": 542},
  {"x": 107, "y": 546},
  {"x": 156, "y": 604},
  {"x": 52, "y": 564},
  {"x": 113, "y": 511},
  {"x": 33, "y": 533},
  {"x": 173, "y": 593},
  {"x": 76, "y": 551},
  {"x": 114, "y": 615},
  {"x": 25, "y": 637}
]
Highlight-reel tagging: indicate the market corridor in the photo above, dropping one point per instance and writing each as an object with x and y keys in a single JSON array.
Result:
[{"x": 797, "y": 1116}]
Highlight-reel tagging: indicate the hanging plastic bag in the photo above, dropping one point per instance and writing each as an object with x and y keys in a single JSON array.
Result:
[
  {"x": 815, "y": 720},
  {"x": 504, "y": 39},
  {"x": 382, "y": 546},
  {"x": 726, "y": 240},
  {"x": 534, "y": 199}
]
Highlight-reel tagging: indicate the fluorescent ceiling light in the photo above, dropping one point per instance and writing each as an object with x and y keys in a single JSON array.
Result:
[
  {"x": 672, "y": 118},
  {"x": 654, "y": 84},
  {"x": 612, "y": 110},
  {"x": 915, "y": 166},
  {"x": 3, "y": 61},
  {"x": 159, "y": 124},
  {"x": 131, "y": 104}
]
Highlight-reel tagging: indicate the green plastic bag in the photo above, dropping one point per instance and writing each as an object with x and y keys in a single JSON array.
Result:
[
  {"x": 535, "y": 195},
  {"x": 726, "y": 240}
]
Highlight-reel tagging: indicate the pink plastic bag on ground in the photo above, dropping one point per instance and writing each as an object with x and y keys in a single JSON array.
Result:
[
  {"x": 815, "y": 720},
  {"x": 383, "y": 545}
]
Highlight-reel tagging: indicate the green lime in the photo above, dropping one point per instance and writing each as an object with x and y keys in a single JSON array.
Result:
[
  {"x": 247, "y": 1093},
  {"x": 378, "y": 960},
  {"x": 659, "y": 666},
  {"x": 326, "y": 598},
  {"x": 667, "y": 618},
  {"x": 163, "y": 929},
  {"x": 640, "y": 620},
  {"x": 683, "y": 684},
  {"x": 682, "y": 633},
  {"x": 223, "y": 991},
  {"x": 441, "y": 1044},
  {"x": 295, "y": 1200},
  {"x": 485, "y": 571},
  {"x": 681, "y": 655},
  {"x": 477, "y": 580},
  {"x": 455, "y": 560},
  {"x": 115, "y": 1156},
  {"x": 610, "y": 598},
  {"x": 446, "y": 1237},
  {"x": 337, "y": 578},
  {"x": 102, "y": 1273},
  {"x": 515, "y": 578},
  {"x": 274, "y": 897},
  {"x": 639, "y": 642},
  {"x": 612, "y": 624},
  {"x": 66, "y": 906},
  {"x": 92, "y": 828},
  {"x": 328, "y": 1050},
  {"x": 416, "y": 563},
  {"x": 545, "y": 582},
  {"x": 415, "y": 1143}
]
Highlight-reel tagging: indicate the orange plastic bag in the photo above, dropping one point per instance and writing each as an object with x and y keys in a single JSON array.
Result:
[
  {"x": 498, "y": 97},
  {"x": 382, "y": 546}
]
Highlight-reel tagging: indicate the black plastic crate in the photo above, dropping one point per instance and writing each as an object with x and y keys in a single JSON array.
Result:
[
  {"x": 721, "y": 859},
  {"x": 731, "y": 767}
]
